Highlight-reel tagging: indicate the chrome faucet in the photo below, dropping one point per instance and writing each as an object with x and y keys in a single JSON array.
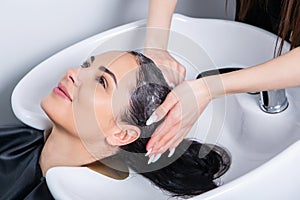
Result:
[{"x": 273, "y": 101}]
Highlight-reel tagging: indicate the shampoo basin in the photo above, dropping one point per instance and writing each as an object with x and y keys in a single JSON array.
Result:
[{"x": 264, "y": 148}]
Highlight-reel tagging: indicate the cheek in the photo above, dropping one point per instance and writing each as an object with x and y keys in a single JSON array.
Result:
[
  {"x": 91, "y": 110},
  {"x": 104, "y": 114}
]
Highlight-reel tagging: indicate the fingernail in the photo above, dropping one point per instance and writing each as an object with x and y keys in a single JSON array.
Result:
[
  {"x": 151, "y": 120},
  {"x": 156, "y": 158},
  {"x": 172, "y": 151},
  {"x": 170, "y": 84},
  {"x": 151, "y": 159},
  {"x": 148, "y": 152}
]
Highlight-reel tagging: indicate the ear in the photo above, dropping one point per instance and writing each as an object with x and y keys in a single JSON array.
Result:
[{"x": 125, "y": 135}]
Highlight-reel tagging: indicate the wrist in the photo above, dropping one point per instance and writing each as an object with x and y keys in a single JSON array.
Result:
[
  {"x": 201, "y": 92},
  {"x": 157, "y": 38},
  {"x": 213, "y": 86}
]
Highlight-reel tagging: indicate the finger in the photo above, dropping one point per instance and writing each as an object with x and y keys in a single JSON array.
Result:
[
  {"x": 170, "y": 145},
  {"x": 165, "y": 127},
  {"x": 173, "y": 144},
  {"x": 173, "y": 117},
  {"x": 157, "y": 136},
  {"x": 182, "y": 72},
  {"x": 168, "y": 140},
  {"x": 175, "y": 73},
  {"x": 169, "y": 82},
  {"x": 179, "y": 140},
  {"x": 178, "y": 67},
  {"x": 170, "y": 101},
  {"x": 166, "y": 132}
]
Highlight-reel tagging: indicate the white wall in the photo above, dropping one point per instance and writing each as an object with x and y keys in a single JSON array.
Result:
[{"x": 33, "y": 30}]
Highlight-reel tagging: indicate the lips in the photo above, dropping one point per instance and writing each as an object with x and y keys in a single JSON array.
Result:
[{"x": 62, "y": 91}]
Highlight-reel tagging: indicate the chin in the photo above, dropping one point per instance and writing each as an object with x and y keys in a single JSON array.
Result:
[
  {"x": 47, "y": 109},
  {"x": 56, "y": 111},
  {"x": 45, "y": 104}
]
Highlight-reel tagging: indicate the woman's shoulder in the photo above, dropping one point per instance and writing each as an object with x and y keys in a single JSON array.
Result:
[{"x": 20, "y": 148}]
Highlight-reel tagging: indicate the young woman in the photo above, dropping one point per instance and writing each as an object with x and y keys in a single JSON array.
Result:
[
  {"x": 279, "y": 16},
  {"x": 99, "y": 112}
]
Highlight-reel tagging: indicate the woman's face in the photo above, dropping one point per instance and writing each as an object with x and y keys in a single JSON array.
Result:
[{"x": 88, "y": 101}]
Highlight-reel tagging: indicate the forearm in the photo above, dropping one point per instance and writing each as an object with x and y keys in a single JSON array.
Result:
[
  {"x": 279, "y": 73},
  {"x": 282, "y": 72},
  {"x": 159, "y": 21},
  {"x": 160, "y": 13}
]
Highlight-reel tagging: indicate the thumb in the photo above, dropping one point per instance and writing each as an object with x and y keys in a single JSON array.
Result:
[{"x": 161, "y": 111}]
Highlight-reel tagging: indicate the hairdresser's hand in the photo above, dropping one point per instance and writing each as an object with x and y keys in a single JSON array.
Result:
[
  {"x": 182, "y": 107},
  {"x": 173, "y": 71}
]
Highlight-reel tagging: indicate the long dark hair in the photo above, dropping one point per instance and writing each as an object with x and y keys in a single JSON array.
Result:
[
  {"x": 194, "y": 166},
  {"x": 289, "y": 21}
]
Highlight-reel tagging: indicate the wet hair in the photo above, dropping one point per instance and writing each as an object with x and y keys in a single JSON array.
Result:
[
  {"x": 288, "y": 21},
  {"x": 194, "y": 166}
]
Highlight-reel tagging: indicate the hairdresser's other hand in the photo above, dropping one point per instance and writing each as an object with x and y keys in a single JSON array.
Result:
[
  {"x": 173, "y": 71},
  {"x": 182, "y": 107}
]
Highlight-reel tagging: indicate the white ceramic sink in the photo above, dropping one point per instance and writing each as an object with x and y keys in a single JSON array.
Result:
[{"x": 264, "y": 147}]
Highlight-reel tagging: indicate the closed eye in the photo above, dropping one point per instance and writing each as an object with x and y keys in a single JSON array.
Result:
[{"x": 102, "y": 81}]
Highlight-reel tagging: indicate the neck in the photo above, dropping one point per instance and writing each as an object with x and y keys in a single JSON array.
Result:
[{"x": 64, "y": 149}]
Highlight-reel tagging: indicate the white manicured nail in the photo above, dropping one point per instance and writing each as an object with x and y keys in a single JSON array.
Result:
[
  {"x": 148, "y": 152},
  {"x": 172, "y": 151},
  {"x": 156, "y": 158},
  {"x": 151, "y": 159},
  {"x": 151, "y": 120},
  {"x": 170, "y": 84}
]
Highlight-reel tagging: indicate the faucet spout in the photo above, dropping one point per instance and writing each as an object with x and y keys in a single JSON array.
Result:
[{"x": 273, "y": 101}]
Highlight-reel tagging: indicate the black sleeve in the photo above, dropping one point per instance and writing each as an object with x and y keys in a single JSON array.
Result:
[{"x": 20, "y": 173}]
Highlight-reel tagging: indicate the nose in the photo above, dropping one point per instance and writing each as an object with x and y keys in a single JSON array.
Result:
[{"x": 72, "y": 75}]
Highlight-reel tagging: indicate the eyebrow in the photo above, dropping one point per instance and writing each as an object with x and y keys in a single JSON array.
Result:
[{"x": 104, "y": 69}]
